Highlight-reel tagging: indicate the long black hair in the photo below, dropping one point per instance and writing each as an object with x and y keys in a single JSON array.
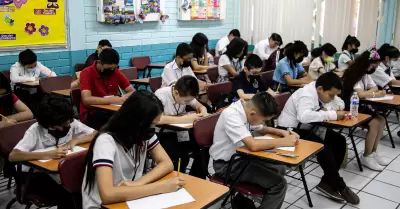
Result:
[
  {"x": 296, "y": 47},
  {"x": 350, "y": 40},
  {"x": 127, "y": 126},
  {"x": 235, "y": 47},
  {"x": 6, "y": 99},
  {"x": 199, "y": 42}
]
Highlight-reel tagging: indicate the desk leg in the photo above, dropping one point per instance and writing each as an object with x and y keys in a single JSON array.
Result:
[
  {"x": 149, "y": 73},
  {"x": 232, "y": 187},
  {"x": 355, "y": 149},
  {"x": 389, "y": 132},
  {"x": 305, "y": 185}
]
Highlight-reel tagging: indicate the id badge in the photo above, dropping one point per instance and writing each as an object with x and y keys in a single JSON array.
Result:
[{"x": 183, "y": 136}]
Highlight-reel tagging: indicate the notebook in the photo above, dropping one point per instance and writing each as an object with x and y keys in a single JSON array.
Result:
[
  {"x": 167, "y": 200},
  {"x": 291, "y": 149}
]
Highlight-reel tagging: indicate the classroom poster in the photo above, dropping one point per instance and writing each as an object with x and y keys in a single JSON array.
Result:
[
  {"x": 205, "y": 9},
  {"x": 119, "y": 11},
  {"x": 32, "y": 22}
]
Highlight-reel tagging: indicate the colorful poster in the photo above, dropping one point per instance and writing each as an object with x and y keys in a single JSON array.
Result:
[
  {"x": 119, "y": 11},
  {"x": 32, "y": 22},
  {"x": 205, "y": 9},
  {"x": 150, "y": 6}
]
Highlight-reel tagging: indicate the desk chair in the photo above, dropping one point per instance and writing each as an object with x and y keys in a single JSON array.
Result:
[
  {"x": 72, "y": 181},
  {"x": 49, "y": 84},
  {"x": 141, "y": 63},
  {"x": 203, "y": 131},
  {"x": 7, "y": 74},
  {"x": 76, "y": 98},
  {"x": 218, "y": 93},
  {"x": 130, "y": 73},
  {"x": 266, "y": 79},
  {"x": 155, "y": 83},
  {"x": 79, "y": 67},
  {"x": 213, "y": 74},
  {"x": 212, "y": 52},
  {"x": 216, "y": 60}
]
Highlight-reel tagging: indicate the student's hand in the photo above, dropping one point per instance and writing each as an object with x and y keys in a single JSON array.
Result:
[
  {"x": 289, "y": 141},
  {"x": 130, "y": 183},
  {"x": 117, "y": 100},
  {"x": 172, "y": 185},
  {"x": 340, "y": 115},
  {"x": 380, "y": 93},
  {"x": 288, "y": 133},
  {"x": 192, "y": 117},
  {"x": 70, "y": 145},
  {"x": 37, "y": 79},
  {"x": 57, "y": 153},
  {"x": 8, "y": 122},
  {"x": 272, "y": 92}
]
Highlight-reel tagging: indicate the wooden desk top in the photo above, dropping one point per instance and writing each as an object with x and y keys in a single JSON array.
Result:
[
  {"x": 64, "y": 92},
  {"x": 303, "y": 150},
  {"x": 394, "y": 102},
  {"x": 157, "y": 65},
  {"x": 349, "y": 123},
  {"x": 30, "y": 84},
  {"x": 200, "y": 72},
  {"x": 52, "y": 165},
  {"x": 143, "y": 81},
  {"x": 106, "y": 107},
  {"x": 203, "y": 191}
]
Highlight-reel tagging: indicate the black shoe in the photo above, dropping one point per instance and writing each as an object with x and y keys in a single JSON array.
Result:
[
  {"x": 350, "y": 196},
  {"x": 242, "y": 202},
  {"x": 329, "y": 191}
]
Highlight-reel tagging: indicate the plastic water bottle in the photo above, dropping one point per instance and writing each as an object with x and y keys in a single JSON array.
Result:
[
  {"x": 354, "y": 103},
  {"x": 211, "y": 61}
]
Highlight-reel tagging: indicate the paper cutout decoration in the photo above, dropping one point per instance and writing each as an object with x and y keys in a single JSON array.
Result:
[
  {"x": 44, "y": 30},
  {"x": 8, "y": 20},
  {"x": 30, "y": 28},
  {"x": 52, "y": 4},
  {"x": 18, "y": 3},
  {"x": 5, "y": 2}
]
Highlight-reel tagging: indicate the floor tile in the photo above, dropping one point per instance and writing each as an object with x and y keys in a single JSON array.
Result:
[
  {"x": 368, "y": 201},
  {"x": 353, "y": 180},
  {"x": 348, "y": 207},
  {"x": 319, "y": 202},
  {"x": 388, "y": 152},
  {"x": 317, "y": 172},
  {"x": 352, "y": 167},
  {"x": 394, "y": 165},
  {"x": 285, "y": 205},
  {"x": 389, "y": 177},
  {"x": 294, "y": 193},
  {"x": 383, "y": 190},
  {"x": 312, "y": 181},
  {"x": 293, "y": 207}
]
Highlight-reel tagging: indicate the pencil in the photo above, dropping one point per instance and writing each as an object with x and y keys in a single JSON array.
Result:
[
  {"x": 120, "y": 91},
  {"x": 179, "y": 165},
  {"x": 3, "y": 116},
  {"x": 277, "y": 89}
]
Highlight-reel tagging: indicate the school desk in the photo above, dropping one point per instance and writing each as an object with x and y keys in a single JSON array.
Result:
[
  {"x": 64, "y": 92},
  {"x": 30, "y": 84},
  {"x": 140, "y": 82},
  {"x": 49, "y": 166},
  {"x": 304, "y": 151},
  {"x": 108, "y": 108},
  {"x": 205, "y": 193},
  {"x": 155, "y": 66},
  {"x": 203, "y": 72}
]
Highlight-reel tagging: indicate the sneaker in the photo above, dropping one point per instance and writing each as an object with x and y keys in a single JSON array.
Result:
[
  {"x": 350, "y": 196},
  {"x": 371, "y": 163},
  {"x": 328, "y": 191},
  {"x": 381, "y": 161}
]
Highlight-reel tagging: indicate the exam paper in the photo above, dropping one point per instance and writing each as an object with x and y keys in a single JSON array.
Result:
[
  {"x": 291, "y": 149},
  {"x": 182, "y": 125},
  {"x": 118, "y": 105},
  {"x": 76, "y": 149},
  {"x": 387, "y": 97},
  {"x": 167, "y": 200}
]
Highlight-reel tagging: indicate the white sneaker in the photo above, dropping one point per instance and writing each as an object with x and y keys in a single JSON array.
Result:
[
  {"x": 371, "y": 163},
  {"x": 381, "y": 161}
]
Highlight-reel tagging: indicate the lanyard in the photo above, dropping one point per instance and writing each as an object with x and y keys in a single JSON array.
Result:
[
  {"x": 236, "y": 65},
  {"x": 179, "y": 106}
]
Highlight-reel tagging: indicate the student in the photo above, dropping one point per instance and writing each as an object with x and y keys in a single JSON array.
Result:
[
  {"x": 248, "y": 82},
  {"x": 289, "y": 70},
  {"x": 28, "y": 69},
  {"x": 175, "y": 99},
  {"x": 103, "y": 44},
  {"x": 55, "y": 127},
  {"x": 317, "y": 102},
  {"x": 383, "y": 76},
  {"x": 275, "y": 57},
  {"x": 357, "y": 79},
  {"x": 324, "y": 61},
  {"x": 179, "y": 67},
  {"x": 116, "y": 157},
  {"x": 265, "y": 47},
  {"x": 200, "y": 60},
  {"x": 350, "y": 49},
  {"x": 234, "y": 129},
  {"x": 224, "y": 41},
  {"x": 100, "y": 85},
  {"x": 232, "y": 61},
  {"x": 13, "y": 109}
]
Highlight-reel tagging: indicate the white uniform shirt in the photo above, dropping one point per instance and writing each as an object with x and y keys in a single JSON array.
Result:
[
  {"x": 304, "y": 105},
  {"x": 168, "y": 101},
  {"x": 343, "y": 59},
  {"x": 316, "y": 64},
  {"x": 172, "y": 73},
  {"x": 365, "y": 83},
  {"x": 19, "y": 74},
  {"x": 380, "y": 77},
  {"x": 396, "y": 68},
  {"x": 263, "y": 50},
  {"x": 225, "y": 61},
  {"x": 107, "y": 152},
  {"x": 220, "y": 48}
]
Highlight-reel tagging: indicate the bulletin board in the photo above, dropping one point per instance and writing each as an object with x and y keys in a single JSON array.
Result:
[
  {"x": 201, "y": 9},
  {"x": 32, "y": 23}
]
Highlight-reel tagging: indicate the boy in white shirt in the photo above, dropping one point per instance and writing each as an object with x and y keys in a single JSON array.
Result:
[
  {"x": 318, "y": 102},
  {"x": 220, "y": 48},
  {"x": 234, "y": 129},
  {"x": 265, "y": 47}
]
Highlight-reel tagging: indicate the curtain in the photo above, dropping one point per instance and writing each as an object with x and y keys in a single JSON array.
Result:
[
  {"x": 396, "y": 41},
  {"x": 246, "y": 18},
  {"x": 368, "y": 23}
]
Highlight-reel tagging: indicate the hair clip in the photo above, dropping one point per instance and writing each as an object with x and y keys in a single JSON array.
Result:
[{"x": 374, "y": 55}]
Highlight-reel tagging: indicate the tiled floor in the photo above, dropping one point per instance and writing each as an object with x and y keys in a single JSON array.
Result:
[{"x": 377, "y": 190}]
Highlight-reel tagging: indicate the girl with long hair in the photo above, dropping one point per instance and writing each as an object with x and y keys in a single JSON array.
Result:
[
  {"x": 201, "y": 57},
  {"x": 231, "y": 62},
  {"x": 383, "y": 76}
]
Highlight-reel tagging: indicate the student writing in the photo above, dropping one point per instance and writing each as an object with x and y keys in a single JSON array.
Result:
[
  {"x": 324, "y": 62},
  {"x": 201, "y": 58},
  {"x": 232, "y": 61},
  {"x": 383, "y": 75},
  {"x": 275, "y": 57},
  {"x": 265, "y": 47},
  {"x": 224, "y": 41},
  {"x": 350, "y": 49}
]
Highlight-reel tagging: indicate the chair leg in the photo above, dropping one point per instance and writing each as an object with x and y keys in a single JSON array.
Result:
[
  {"x": 11, "y": 203},
  {"x": 9, "y": 183},
  {"x": 305, "y": 185},
  {"x": 28, "y": 206},
  {"x": 389, "y": 132},
  {"x": 355, "y": 149},
  {"x": 232, "y": 187},
  {"x": 149, "y": 73}
]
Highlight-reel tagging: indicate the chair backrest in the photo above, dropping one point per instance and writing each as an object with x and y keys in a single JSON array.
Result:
[
  {"x": 7, "y": 74},
  {"x": 214, "y": 91},
  {"x": 140, "y": 62},
  {"x": 75, "y": 95},
  {"x": 130, "y": 73},
  {"x": 50, "y": 84},
  {"x": 203, "y": 130},
  {"x": 11, "y": 135},
  {"x": 212, "y": 52},
  {"x": 72, "y": 170},
  {"x": 213, "y": 74},
  {"x": 216, "y": 60},
  {"x": 79, "y": 67},
  {"x": 155, "y": 83},
  {"x": 266, "y": 78},
  {"x": 281, "y": 100}
]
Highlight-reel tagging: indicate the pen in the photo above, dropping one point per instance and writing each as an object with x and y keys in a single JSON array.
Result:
[
  {"x": 179, "y": 165},
  {"x": 3, "y": 116},
  {"x": 277, "y": 89},
  {"x": 120, "y": 91},
  {"x": 287, "y": 155},
  {"x": 290, "y": 130},
  {"x": 270, "y": 151}
]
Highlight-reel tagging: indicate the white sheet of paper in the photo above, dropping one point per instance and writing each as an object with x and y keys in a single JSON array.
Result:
[
  {"x": 167, "y": 200},
  {"x": 291, "y": 149},
  {"x": 118, "y": 105},
  {"x": 387, "y": 97},
  {"x": 182, "y": 125},
  {"x": 76, "y": 149},
  {"x": 396, "y": 86},
  {"x": 263, "y": 137}
]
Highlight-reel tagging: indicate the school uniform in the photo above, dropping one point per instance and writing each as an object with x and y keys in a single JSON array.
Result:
[
  {"x": 225, "y": 61},
  {"x": 251, "y": 86},
  {"x": 305, "y": 107},
  {"x": 382, "y": 76},
  {"x": 315, "y": 66},
  {"x": 343, "y": 59},
  {"x": 232, "y": 127},
  {"x": 366, "y": 83},
  {"x": 263, "y": 50},
  {"x": 284, "y": 68},
  {"x": 220, "y": 48},
  {"x": 172, "y": 73},
  {"x": 4, "y": 109},
  {"x": 107, "y": 152},
  {"x": 19, "y": 73},
  {"x": 200, "y": 61}
]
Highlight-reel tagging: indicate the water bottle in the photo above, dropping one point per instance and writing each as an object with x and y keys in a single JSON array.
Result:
[
  {"x": 211, "y": 61},
  {"x": 354, "y": 103}
]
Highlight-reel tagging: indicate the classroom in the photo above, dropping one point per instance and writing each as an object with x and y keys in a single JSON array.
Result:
[{"x": 189, "y": 104}]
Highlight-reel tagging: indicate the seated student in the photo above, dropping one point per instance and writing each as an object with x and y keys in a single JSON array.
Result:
[
  {"x": 116, "y": 158},
  {"x": 12, "y": 110},
  {"x": 234, "y": 129},
  {"x": 103, "y": 44},
  {"x": 275, "y": 57},
  {"x": 317, "y": 102},
  {"x": 350, "y": 49},
  {"x": 383, "y": 76},
  {"x": 357, "y": 79},
  {"x": 265, "y": 47},
  {"x": 179, "y": 67},
  {"x": 220, "y": 48},
  {"x": 248, "y": 82},
  {"x": 100, "y": 85},
  {"x": 316, "y": 52},
  {"x": 55, "y": 127},
  {"x": 201, "y": 59},
  {"x": 232, "y": 61},
  {"x": 28, "y": 69},
  {"x": 289, "y": 70},
  {"x": 175, "y": 99},
  {"x": 324, "y": 61}
]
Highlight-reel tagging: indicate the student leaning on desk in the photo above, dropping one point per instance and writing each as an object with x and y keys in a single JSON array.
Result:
[{"x": 116, "y": 157}]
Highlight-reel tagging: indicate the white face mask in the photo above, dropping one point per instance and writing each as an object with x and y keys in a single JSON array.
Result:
[{"x": 392, "y": 63}]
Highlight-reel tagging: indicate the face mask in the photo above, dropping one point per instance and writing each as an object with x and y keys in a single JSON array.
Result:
[
  {"x": 328, "y": 59},
  {"x": 186, "y": 63},
  {"x": 107, "y": 72},
  {"x": 392, "y": 63},
  {"x": 299, "y": 60},
  {"x": 59, "y": 134},
  {"x": 372, "y": 70},
  {"x": 146, "y": 135},
  {"x": 354, "y": 51}
]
